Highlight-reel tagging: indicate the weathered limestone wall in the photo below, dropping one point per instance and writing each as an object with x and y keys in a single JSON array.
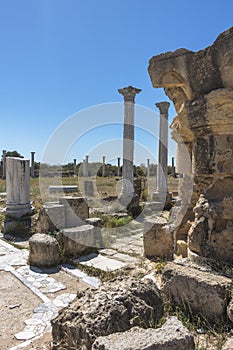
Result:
[{"x": 200, "y": 84}]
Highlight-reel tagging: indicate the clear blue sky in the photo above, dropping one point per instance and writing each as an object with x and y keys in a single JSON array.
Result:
[{"x": 62, "y": 56}]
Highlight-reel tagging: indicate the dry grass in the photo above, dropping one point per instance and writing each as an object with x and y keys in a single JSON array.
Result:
[{"x": 108, "y": 186}]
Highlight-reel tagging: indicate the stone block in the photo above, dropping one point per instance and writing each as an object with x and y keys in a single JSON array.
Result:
[
  {"x": 230, "y": 309},
  {"x": 51, "y": 218},
  {"x": 62, "y": 188},
  {"x": 94, "y": 221},
  {"x": 228, "y": 344},
  {"x": 113, "y": 307},
  {"x": 202, "y": 292},
  {"x": 79, "y": 240},
  {"x": 171, "y": 336},
  {"x": 181, "y": 248},
  {"x": 88, "y": 188},
  {"x": 76, "y": 210},
  {"x": 44, "y": 251},
  {"x": 157, "y": 241}
]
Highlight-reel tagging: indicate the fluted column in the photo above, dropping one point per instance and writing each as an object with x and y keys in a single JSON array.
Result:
[
  {"x": 129, "y": 94},
  {"x": 163, "y": 148}
]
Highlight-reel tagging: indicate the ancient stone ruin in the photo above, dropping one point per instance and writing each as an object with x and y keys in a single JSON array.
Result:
[
  {"x": 18, "y": 207},
  {"x": 134, "y": 306},
  {"x": 200, "y": 84}
]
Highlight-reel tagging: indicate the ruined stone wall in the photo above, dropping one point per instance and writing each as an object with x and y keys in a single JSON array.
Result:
[{"x": 200, "y": 84}]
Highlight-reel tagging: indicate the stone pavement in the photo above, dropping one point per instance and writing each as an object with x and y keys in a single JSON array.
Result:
[{"x": 124, "y": 252}]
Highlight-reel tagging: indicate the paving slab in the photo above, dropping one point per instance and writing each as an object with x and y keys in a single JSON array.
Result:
[
  {"x": 108, "y": 251},
  {"x": 101, "y": 262},
  {"x": 125, "y": 258},
  {"x": 71, "y": 269}
]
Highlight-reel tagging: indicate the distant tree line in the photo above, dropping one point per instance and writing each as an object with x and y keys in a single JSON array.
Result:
[{"x": 94, "y": 168}]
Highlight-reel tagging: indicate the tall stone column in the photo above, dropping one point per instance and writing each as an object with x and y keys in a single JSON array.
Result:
[
  {"x": 86, "y": 166},
  {"x": 129, "y": 94},
  {"x": 103, "y": 168},
  {"x": 161, "y": 189},
  {"x": 4, "y": 164},
  {"x": 148, "y": 168},
  {"x": 173, "y": 167},
  {"x": 33, "y": 164},
  {"x": 183, "y": 158},
  {"x": 75, "y": 166},
  {"x": 18, "y": 206},
  {"x": 118, "y": 166}
]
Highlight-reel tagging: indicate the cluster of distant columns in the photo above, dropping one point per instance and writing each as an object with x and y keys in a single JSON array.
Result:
[{"x": 129, "y": 94}]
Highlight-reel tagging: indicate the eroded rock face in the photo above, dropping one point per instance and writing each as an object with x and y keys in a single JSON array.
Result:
[
  {"x": 202, "y": 292},
  {"x": 171, "y": 336},
  {"x": 115, "y": 307},
  {"x": 195, "y": 73},
  {"x": 200, "y": 84}
]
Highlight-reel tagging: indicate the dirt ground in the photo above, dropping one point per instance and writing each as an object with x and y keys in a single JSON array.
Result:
[{"x": 17, "y": 304}]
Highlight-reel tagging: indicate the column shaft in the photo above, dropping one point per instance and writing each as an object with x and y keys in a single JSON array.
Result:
[
  {"x": 163, "y": 145},
  {"x": 118, "y": 166},
  {"x": 32, "y": 164},
  {"x": 129, "y": 94},
  {"x": 4, "y": 164}
]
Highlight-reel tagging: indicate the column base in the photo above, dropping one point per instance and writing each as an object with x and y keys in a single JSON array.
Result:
[
  {"x": 17, "y": 227},
  {"x": 17, "y": 211}
]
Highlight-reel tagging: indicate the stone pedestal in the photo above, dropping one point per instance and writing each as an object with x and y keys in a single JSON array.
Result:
[{"x": 18, "y": 206}]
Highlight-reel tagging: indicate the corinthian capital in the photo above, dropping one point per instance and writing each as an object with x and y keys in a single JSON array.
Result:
[
  {"x": 163, "y": 107},
  {"x": 129, "y": 93}
]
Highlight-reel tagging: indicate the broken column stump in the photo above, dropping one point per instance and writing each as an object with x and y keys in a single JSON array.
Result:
[
  {"x": 18, "y": 207},
  {"x": 44, "y": 251}
]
